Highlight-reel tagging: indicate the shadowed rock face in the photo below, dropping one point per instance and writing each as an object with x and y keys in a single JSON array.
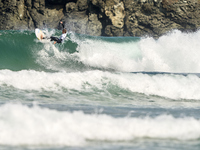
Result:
[
  {"x": 102, "y": 17},
  {"x": 58, "y": 2}
]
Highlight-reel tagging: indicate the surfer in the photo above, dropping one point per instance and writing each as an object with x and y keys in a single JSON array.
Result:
[{"x": 62, "y": 37}]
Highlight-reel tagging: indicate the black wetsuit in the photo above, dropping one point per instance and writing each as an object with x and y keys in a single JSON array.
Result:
[{"x": 58, "y": 40}]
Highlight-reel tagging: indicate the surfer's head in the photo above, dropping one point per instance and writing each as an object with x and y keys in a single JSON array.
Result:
[{"x": 64, "y": 31}]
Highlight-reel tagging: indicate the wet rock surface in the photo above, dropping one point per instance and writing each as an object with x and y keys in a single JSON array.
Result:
[{"x": 102, "y": 17}]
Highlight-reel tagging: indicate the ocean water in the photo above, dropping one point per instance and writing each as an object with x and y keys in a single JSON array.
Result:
[{"x": 99, "y": 93}]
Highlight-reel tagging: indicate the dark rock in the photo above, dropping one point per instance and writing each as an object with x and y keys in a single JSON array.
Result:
[
  {"x": 70, "y": 7},
  {"x": 76, "y": 21},
  {"x": 82, "y": 4},
  {"x": 59, "y": 2},
  {"x": 94, "y": 26},
  {"x": 103, "y": 17},
  {"x": 113, "y": 31}
]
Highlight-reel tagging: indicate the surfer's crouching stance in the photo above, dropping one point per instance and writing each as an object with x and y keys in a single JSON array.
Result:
[
  {"x": 62, "y": 37},
  {"x": 56, "y": 39}
]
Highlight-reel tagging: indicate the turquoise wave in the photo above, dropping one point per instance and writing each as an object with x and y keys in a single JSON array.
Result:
[{"x": 19, "y": 50}]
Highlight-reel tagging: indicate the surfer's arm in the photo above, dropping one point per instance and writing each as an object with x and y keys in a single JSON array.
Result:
[{"x": 63, "y": 26}]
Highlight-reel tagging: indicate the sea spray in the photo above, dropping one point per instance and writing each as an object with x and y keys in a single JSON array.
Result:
[{"x": 174, "y": 52}]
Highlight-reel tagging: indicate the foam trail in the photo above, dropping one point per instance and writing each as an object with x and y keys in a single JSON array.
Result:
[
  {"x": 21, "y": 125},
  {"x": 169, "y": 86},
  {"x": 51, "y": 58}
]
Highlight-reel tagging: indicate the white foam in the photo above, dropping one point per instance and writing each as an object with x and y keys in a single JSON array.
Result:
[
  {"x": 21, "y": 125},
  {"x": 118, "y": 56},
  {"x": 174, "y": 52},
  {"x": 170, "y": 86},
  {"x": 51, "y": 58}
]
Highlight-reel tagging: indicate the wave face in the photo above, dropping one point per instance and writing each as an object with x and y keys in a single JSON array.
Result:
[
  {"x": 175, "y": 52},
  {"x": 99, "y": 92}
]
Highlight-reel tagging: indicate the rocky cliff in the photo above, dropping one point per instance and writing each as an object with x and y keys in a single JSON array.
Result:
[{"x": 102, "y": 17}]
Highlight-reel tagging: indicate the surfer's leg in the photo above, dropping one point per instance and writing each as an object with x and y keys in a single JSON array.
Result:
[
  {"x": 41, "y": 37},
  {"x": 59, "y": 41},
  {"x": 54, "y": 38}
]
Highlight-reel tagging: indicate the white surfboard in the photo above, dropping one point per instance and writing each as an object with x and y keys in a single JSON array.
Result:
[{"x": 39, "y": 34}]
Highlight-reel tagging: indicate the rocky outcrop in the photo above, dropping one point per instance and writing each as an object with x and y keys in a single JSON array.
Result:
[
  {"x": 29, "y": 14},
  {"x": 103, "y": 17},
  {"x": 156, "y": 17},
  {"x": 82, "y": 19}
]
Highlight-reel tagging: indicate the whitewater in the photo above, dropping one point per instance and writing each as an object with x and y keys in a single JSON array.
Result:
[{"x": 99, "y": 92}]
